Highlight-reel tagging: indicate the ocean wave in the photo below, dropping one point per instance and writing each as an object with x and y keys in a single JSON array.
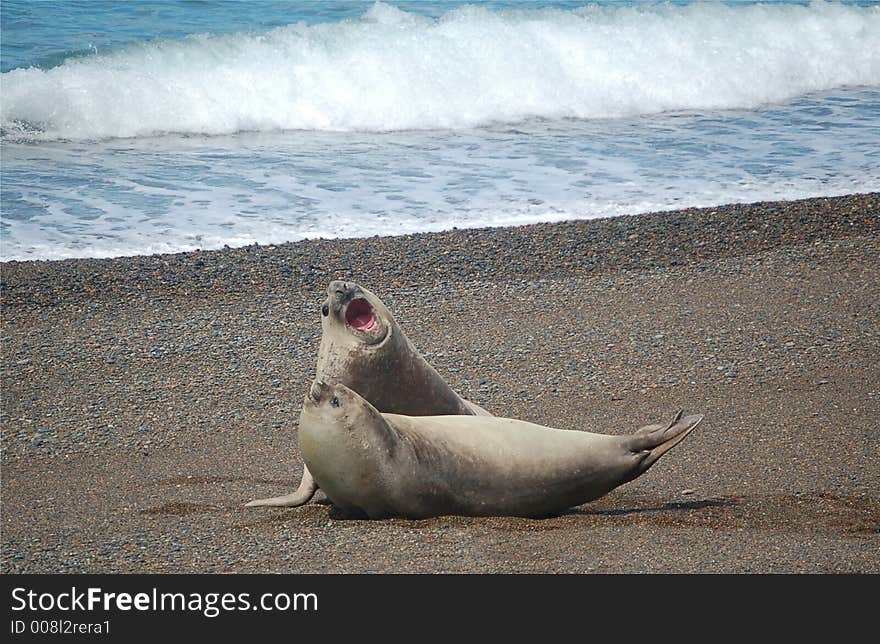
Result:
[{"x": 392, "y": 70}]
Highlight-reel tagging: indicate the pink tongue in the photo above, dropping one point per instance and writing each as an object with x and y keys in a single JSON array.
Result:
[{"x": 363, "y": 321}]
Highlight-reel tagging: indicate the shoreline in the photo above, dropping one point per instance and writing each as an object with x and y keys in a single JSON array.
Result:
[
  {"x": 146, "y": 399},
  {"x": 677, "y": 237},
  {"x": 683, "y": 210}
]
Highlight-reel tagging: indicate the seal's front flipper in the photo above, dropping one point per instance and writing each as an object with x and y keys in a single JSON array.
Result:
[
  {"x": 653, "y": 441},
  {"x": 321, "y": 498},
  {"x": 304, "y": 492}
]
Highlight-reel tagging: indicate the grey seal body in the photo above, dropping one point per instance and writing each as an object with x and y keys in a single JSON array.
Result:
[
  {"x": 363, "y": 347},
  {"x": 385, "y": 465}
]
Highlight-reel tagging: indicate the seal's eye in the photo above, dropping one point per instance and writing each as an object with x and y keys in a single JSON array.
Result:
[
  {"x": 334, "y": 401},
  {"x": 325, "y": 310}
]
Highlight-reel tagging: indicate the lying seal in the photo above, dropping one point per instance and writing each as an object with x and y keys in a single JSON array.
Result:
[
  {"x": 384, "y": 465},
  {"x": 363, "y": 347}
]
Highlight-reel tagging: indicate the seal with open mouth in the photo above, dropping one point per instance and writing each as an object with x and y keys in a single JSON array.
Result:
[
  {"x": 363, "y": 347},
  {"x": 388, "y": 465}
]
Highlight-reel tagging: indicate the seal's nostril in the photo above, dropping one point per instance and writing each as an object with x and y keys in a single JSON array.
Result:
[{"x": 316, "y": 389}]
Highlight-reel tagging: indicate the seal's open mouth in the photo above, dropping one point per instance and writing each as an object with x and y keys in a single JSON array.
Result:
[{"x": 359, "y": 315}]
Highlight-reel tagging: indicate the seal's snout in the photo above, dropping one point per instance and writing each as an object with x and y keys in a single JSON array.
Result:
[
  {"x": 342, "y": 291},
  {"x": 318, "y": 389}
]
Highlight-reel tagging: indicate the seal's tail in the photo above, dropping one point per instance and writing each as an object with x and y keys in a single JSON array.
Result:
[{"x": 653, "y": 441}]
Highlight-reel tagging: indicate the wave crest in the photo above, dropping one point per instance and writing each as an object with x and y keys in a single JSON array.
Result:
[{"x": 393, "y": 70}]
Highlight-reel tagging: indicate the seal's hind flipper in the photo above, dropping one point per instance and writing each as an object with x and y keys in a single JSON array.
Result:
[
  {"x": 653, "y": 441},
  {"x": 304, "y": 492}
]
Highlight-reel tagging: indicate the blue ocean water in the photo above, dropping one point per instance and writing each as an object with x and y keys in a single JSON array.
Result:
[{"x": 139, "y": 127}]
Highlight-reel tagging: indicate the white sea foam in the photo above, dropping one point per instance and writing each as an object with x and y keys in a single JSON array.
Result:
[
  {"x": 171, "y": 194},
  {"x": 33, "y": 241},
  {"x": 392, "y": 70}
]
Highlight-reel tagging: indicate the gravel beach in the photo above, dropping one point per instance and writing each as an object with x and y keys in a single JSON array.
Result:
[{"x": 146, "y": 399}]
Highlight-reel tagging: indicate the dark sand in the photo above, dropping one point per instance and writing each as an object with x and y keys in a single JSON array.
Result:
[{"x": 146, "y": 399}]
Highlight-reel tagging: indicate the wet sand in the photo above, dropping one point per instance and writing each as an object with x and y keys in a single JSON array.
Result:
[{"x": 146, "y": 399}]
